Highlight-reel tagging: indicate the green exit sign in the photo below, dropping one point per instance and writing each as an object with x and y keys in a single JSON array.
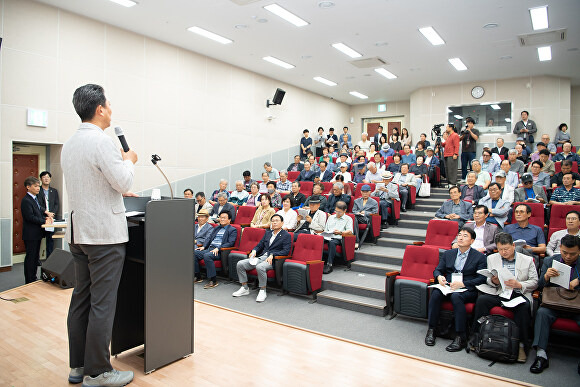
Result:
[{"x": 382, "y": 107}]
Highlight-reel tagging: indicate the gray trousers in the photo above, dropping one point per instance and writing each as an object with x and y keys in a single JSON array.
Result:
[
  {"x": 262, "y": 267},
  {"x": 545, "y": 317},
  {"x": 91, "y": 313},
  {"x": 451, "y": 169}
]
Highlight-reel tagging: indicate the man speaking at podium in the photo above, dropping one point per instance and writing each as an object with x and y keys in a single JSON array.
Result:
[{"x": 96, "y": 175}]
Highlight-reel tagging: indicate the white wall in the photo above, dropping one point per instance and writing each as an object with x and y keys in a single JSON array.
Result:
[{"x": 370, "y": 110}]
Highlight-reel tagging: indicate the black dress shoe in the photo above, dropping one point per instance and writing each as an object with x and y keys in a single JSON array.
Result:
[
  {"x": 456, "y": 345},
  {"x": 403, "y": 210},
  {"x": 430, "y": 338},
  {"x": 539, "y": 365},
  {"x": 327, "y": 269}
]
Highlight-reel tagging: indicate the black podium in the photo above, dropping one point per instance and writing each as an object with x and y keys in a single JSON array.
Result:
[{"x": 155, "y": 298}]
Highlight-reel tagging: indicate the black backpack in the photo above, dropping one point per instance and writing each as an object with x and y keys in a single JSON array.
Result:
[{"x": 497, "y": 339}]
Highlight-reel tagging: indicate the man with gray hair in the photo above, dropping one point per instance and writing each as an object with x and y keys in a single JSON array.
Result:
[
  {"x": 387, "y": 192},
  {"x": 364, "y": 143},
  {"x": 340, "y": 225},
  {"x": 222, "y": 205},
  {"x": 272, "y": 172},
  {"x": 373, "y": 175},
  {"x": 240, "y": 195},
  {"x": 335, "y": 197},
  {"x": 517, "y": 166},
  {"x": 284, "y": 185},
  {"x": 223, "y": 188}
]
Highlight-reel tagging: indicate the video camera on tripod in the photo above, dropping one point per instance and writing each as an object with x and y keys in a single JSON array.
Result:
[{"x": 436, "y": 131}]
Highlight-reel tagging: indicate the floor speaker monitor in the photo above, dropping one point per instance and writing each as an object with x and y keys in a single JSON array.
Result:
[{"x": 59, "y": 269}]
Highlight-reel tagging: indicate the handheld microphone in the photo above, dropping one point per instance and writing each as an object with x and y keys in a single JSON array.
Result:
[{"x": 121, "y": 135}]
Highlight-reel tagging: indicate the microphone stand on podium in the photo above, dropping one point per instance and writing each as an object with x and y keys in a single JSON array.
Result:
[{"x": 154, "y": 160}]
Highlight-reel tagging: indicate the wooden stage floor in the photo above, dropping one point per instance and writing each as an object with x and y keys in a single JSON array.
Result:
[{"x": 231, "y": 349}]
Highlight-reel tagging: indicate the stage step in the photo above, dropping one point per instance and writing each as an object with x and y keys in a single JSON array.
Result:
[
  {"x": 352, "y": 302},
  {"x": 358, "y": 284},
  {"x": 374, "y": 268}
]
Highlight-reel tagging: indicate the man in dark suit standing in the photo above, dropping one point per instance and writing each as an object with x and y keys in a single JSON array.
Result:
[
  {"x": 48, "y": 198},
  {"x": 33, "y": 217},
  {"x": 276, "y": 242},
  {"x": 457, "y": 269}
]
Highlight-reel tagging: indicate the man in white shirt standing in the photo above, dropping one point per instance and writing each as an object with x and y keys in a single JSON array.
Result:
[{"x": 364, "y": 143}]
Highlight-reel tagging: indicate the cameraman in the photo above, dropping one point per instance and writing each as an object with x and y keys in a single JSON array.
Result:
[
  {"x": 451, "y": 144},
  {"x": 468, "y": 137}
]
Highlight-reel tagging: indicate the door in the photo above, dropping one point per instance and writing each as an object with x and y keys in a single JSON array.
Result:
[
  {"x": 24, "y": 165},
  {"x": 372, "y": 129},
  {"x": 391, "y": 125}
]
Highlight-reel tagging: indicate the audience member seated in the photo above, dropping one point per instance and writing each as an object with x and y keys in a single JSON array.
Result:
[
  {"x": 540, "y": 178},
  {"x": 566, "y": 154},
  {"x": 507, "y": 191},
  {"x": 317, "y": 190},
  {"x": 296, "y": 166},
  {"x": 562, "y": 135},
  {"x": 313, "y": 165},
  {"x": 202, "y": 229},
  {"x": 298, "y": 197},
  {"x": 323, "y": 174},
  {"x": 264, "y": 183},
  {"x": 530, "y": 192},
  {"x": 240, "y": 195},
  {"x": 500, "y": 149},
  {"x": 364, "y": 143},
  {"x": 224, "y": 235},
  {"x": 524, "y": 282},
  {"x": 498, "y": 208},
  {"x": 272, "y": 172},
  {"x": 344, "y": 158},
  {"x": 336, "y": 196},
  {"x": 373, "y": 175},
  {"x": 526, "y": 151},
  {"x": 363, "y": 208},
  {"x": 339, "y": 224},
  {"x": 545, "y": 317},
  {"x": 247, "y": 175},
  {"x": 275, "y": 242},
  {"x": 549, "y": 144},
  {"x": 572, "y": 228},
  {"x": 494, "y": 156},
  {"x": 420, "y": 170},
  {"x": 387, "y": 192},
  {"x": 395, "y": 144},
  {"x": 360, "y": 175},
  {"x": 549, "y": 166},
  {"x": 533, "y": 235},
  {"x": 313, "y": 223},
  {"x": 483, "y": 179},
  {"x": 343, "y": 172},
  {"x": 359, "y": 162},
  {"x": 263, "y": 213},
  {"x": 487, "y": 163},
  {"x": 431, "y": 161},
  {"x": 485, "y": 232},
  {"x": 420, "y": 149},
  {"x": 288, "y": 214},
  {"x": 557, "y": 180},
  {"x": 386, "y": 151},
  {"x": 423, "y": 139},
  {"x": 395, "y": 166},
  {"x": 201, "y": 204},
  {"x": 329, "y": 164},
  {"x": 221, "y": 206},
  {"x": 455, "y": 209},
  {"x": 254, "y": 196},
  {"x": 516, "y": 165},
  {"x": 567, "y": 194},
  {"x": 223, "y": 188},
  {"x": 521, "y": 155},
  {"x": 371, "y": 152},
  {"x": 275, "y": 196},
  {"x": 188, "y": 193},
  {"x": 512, "y": 178},
  {"x": 332, "y": 152},
  {"x": 470, "y": 191},
  {"x": 381, "y": 166},
  {"x": 457, "y": 269},
  {"x": 408, "y": 157},
  {"x": 536, "y": 155},
  {"x": 404, "y": 180},
  {"x": 346, "y": 188},
  {"x": 306, "y": 174},
  {"x": 284, "y": 185}
]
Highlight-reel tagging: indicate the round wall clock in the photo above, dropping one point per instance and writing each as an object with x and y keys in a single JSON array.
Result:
[{"x": 477, "y": 92}]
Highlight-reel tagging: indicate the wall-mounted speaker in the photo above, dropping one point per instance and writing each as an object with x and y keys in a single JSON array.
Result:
[{"x": 278, "y": 97}]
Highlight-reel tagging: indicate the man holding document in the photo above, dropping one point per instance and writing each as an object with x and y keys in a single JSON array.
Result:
[
  {"x": 457, "y": 278},
  {"x": 512, "y": 277},
  {"x": 557, "y": 270}
]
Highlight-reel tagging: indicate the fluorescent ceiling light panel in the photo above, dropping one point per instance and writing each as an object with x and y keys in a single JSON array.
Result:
[
  {"x": 432, "y": 36},
  {"x": 545, "y": 53},
  {"x": 325, "y": 81},
  {"x": 458, "y": 117},
  {"x": 286, "y": 15},
  {"x": 508, "y": 120},
  {"x": 495, "y": 106},
  {"x": 385, "y": 73},
  {"x": 458, "y": 64},
  {"x": 346, "y": 50},
  {"x": 539, "y": 17},
  {"x": 125, "y": 3},
  {"x": 278, "y": 62},
  {"x": 209, "y": 35},
  {"x": 358, "y": 95}
]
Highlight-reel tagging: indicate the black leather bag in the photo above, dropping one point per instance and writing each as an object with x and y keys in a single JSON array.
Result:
[{"x": 497, "y": 339}]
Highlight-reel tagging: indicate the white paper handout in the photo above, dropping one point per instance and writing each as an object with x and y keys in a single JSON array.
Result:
[
  {"x": 515, "y": 302},
  {"x": 505, "y": 275},
  {"x": 488, "y": 273},
  {"x": 303, "y": 212},
  {"x": 447, "y": 289},
  {"x": 520, "y": 242},
  {"x": 327, "y": 234},
  {"x": 563, "y": 279}
]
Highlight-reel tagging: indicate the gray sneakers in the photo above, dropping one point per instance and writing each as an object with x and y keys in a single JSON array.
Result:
[
  {"x": 112, "y": 378},
  {"x": 76, "y": 375}
]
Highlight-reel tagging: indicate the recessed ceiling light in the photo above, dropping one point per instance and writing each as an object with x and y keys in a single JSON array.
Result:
[
  {"x": 358, "y": 95},
  {"x": 508, "y": 120},
  {"x": 346, "y": 50},
  {"x": 326, "y": 4},
  {"x": 385, "y": 73},
  {"x": 325, "y": 81},
  {"x": 209, "y": 35},
  {"x": 458, "y": 117},
  {"x": 545, "y": 53},
  {"x": 241, "y": 26},
  {"x": 286, "y": 15},
  {"x": 432, "y": 36},
  {"x": 458, "y": 64},
  {"x": 539, "y": 17},
  {"x": 278, "y": 62},
  {"x": 262, "y": 20},
  {"x": 125, "y": 3},
  {"x": 489, "y": 26},
  {"x": 495, "y": 106}
]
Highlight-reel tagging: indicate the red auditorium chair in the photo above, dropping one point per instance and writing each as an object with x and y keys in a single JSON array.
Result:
[
  {"x": 440, "y": 233},
  {"x": 302, "y": 274},
  {"x": 221, "y": 265},
  {"x": 250, "y": 238},
  {"x": 346, "y": 249},
  {"x": 537, "y": 217},
  {"x": 293, "y": 175},
  {"x": 327, "y": 187},
  {"x": 558, "y": 216},
  {"x": 560, "y": 149},
  {"x": 245, "y": 215},
  {"x": 558, "y": 166},
  {"x": 389, "y": 160},
  {"x": 357, "y": 192},
  {"x": 306, "y": 188},
  {"x": 406, "y": 291},
  {"x": 275, "y": 274}
]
